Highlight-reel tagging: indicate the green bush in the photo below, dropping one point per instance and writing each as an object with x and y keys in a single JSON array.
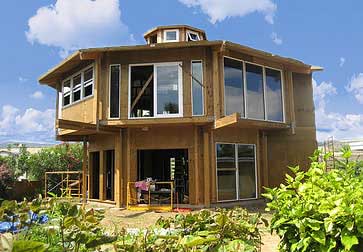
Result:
[{"x": 318, "y": 210}]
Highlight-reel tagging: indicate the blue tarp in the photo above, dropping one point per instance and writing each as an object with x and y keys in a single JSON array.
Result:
[{"x": 13, "y": 227}]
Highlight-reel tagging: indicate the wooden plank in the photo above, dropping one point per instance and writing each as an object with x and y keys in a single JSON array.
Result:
[
  {"x": 196, "y": 166},
  {"x": 74, "y": 125},
  {"x": 84, "y": 173},
  {"x": 141, "y": 91},
  {"x": 227, "y": 121},
  {"x": 215, "y": 81},
  {"x": 206, "y": 161},
  {"x": 102, "y": 192},
  {"x": 291, "y": 102},
  {"x": 118, "y": 169}
]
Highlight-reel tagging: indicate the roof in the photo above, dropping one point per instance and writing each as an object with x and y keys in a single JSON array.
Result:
[
  {"x": 52, "y": 76},
  {"x": 166, "y": 27}
]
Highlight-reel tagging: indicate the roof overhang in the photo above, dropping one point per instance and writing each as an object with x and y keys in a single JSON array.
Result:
[{"x": 55, "y": 74}]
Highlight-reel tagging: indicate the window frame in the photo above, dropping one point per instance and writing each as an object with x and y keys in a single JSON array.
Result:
[
  {"x": 70, "y": 78},
  {"x": 191, "y": 87},
  {"x": 109, "y": 92},
  {"x": 180, "y": 91},
  {"x": 237, "y": 171},
  {"x": 244, "y": 62},
  {"x": 188, "y": 32},
  {"x": 89, "y": 82},
  {"x": 177, "y": 35}
]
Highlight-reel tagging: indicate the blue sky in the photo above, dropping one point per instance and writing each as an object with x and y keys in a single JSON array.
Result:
[{"x": 38, "y": 35}]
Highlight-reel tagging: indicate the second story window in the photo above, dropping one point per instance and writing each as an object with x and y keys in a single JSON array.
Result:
[
  {"x": 254, "y": 91},
  {"x": 171, "y": 35},
  {"x": 155, "y": 90},
  {"x": 197, "y": 88},
  {"x": 114, "y": 103},
  {"x": 78, "y": 86}
]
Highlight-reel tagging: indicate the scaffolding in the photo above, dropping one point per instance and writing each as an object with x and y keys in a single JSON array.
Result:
[
  {"x": 329, "y": 148},
  {"x": 66, "y": 183}
]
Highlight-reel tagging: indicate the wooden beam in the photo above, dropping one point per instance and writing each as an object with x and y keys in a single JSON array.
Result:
[
  {"x": 118, "y": 169},
  {"x": 141, "y": 92},
  {"x": 89, "y": 55},
  {"x": 206, "y": 162},
  {"x": 74, "y": 125},
  {"x": 102, "y": 184},
  {"x": 84, "y": 172},
  {"x": 215, "y": 83},
  {"x": 227, "y": 121}
]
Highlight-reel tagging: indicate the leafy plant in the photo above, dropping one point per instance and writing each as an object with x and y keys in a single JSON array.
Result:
[{"x": 318, "y": 210}]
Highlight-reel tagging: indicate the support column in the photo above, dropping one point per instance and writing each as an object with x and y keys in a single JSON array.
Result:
[
  {"x": 102, "y": 176},
  {"x": 118, "y": 169},
  {"x": 84, "y": 172},
  {"x": 206, "y": 162}
]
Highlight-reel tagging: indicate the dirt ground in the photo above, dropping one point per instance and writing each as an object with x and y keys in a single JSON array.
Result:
[{"x": 115, "y": 218}]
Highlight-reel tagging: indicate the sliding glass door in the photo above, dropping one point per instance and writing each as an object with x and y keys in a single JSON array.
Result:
[{"x": 236, "y": 171}]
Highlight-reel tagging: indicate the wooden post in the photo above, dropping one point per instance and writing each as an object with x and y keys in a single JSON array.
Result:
[
  {"x": 102, "y": 177},
  {"x": 118, "y": 169},
  {"x": 84, "y": 173},
  {"x": 45, "y": 186},
  {"x": 206, "y": 162}
]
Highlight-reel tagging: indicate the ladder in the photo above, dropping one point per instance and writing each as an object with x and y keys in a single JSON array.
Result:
[
  {"x": 70, "y": 184},
  {"x": 329, "y": 148}
]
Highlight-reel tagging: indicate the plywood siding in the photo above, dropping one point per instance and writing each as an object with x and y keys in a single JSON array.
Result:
[
  {"x": 291, "y": 148},
  {"x": 82, "y": 111}
]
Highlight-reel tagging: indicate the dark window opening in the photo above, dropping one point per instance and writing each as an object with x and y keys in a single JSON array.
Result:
[
  {"x": 142, "y": 106},
  {"x": 115, "y": 91},
  {"x": 153, "y": 39}
]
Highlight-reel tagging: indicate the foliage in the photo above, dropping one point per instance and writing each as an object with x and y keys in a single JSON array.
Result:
[
  {"x": 70, "y": 228},
  {"x": 318, "y": 210},
  {"x": 6, "y": 180},
  {"x": 56, "y": 158},
  {"x": 222, "y": 230}
]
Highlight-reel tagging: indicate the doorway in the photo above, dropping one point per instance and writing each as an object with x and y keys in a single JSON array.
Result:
[
  {"x": 110, "y": 170},
  {"x": 95, "y": 161},
  {"x": 166, "y": 165}
]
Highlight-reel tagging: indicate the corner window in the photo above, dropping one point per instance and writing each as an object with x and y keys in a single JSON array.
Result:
[
  {"x": 192, "y": 36},
  {"x": 274, "y": 95},
  {"x": 77, "y": 83},
  {"x": 66, "y": 92},
  {"x": 156, "y": 90},
  {"x": 236, "y": 171},
  {"x": 254, "y": 91},
  {"x": 233, "y": 87},
  {"x": 88, "y": 82},
  {"x": 78, "y": 86},
  {"x": 171, "y": 35},
  {"x": 114, "y": 90},
  {"x": 197, "y": 88},
  {"x": 255, "y": 98}
]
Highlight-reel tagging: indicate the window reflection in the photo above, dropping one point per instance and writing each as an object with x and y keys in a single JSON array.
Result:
[
  {"x": 274, "y": 95},
  {"x": 255, "y": 103},
  {"x": 233, "y": 82}
]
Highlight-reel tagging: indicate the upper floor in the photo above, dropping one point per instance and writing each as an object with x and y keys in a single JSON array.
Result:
[{"x": 180, "y": 79}]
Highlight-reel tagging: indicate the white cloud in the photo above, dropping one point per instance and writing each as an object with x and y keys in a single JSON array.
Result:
[
  {"x": 276, "y": 39},
  {"x": 73, "y": 24},
  {"x": 218, "y": 10},
  {"x": 37, "y": 95},
  {"x": 32, "y": 124},
  {"x": 22, "y": 79},
  {"x": 341, "y": 61},
  {"x": 341, "y": 126},
  {"x": 356, "y": 87}
]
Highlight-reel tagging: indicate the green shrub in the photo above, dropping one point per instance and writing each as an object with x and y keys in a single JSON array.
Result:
[{"x": 318, "y": 210}]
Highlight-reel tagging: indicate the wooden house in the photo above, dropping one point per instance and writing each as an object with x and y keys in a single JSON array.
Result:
[{"x": 218, "y": 119}]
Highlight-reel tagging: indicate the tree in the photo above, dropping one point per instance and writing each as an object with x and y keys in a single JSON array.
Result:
[{"x": 6, "y": 179}]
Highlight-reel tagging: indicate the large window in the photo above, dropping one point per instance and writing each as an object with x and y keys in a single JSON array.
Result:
[
  {"x": 197, "y": 88},
  {"x": 274, "y": 100},
  {"x": 233, "y": 86},
  {"x": 115, "y": 91},
  {"x": 78, "y": 86},
  {"x": 156, "y": 90},
  {"x": 236, "y": 171},
  {"x": 255, "y": 101},
  {"x": 252, "y": 90}
]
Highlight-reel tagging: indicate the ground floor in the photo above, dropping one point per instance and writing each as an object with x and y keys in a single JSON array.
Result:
[{"x": 194, "y": 165}]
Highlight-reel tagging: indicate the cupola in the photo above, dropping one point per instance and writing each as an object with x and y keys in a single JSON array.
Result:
[{"x": 174, "y": 33}]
